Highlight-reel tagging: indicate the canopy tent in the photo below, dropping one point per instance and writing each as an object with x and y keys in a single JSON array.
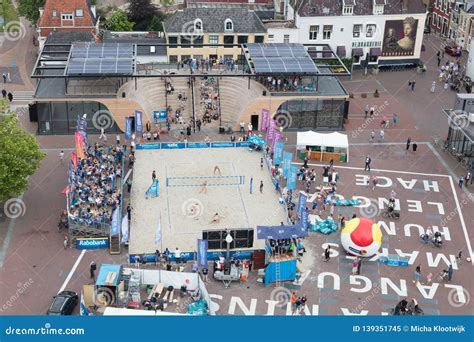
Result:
[{"x": 323, "y": 140}]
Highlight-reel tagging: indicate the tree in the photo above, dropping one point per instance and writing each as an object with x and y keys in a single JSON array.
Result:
[
  {"x": 118, "y": 21},
  {"x": 20, "y": 154},
  {"x": 30, "y": 9},
  {"x": 156, "y": 23},
  {"x": 141, "y": 12}
]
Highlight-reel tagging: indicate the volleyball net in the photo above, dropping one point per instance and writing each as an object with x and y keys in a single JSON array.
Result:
[{"x": 205, "y": 180}]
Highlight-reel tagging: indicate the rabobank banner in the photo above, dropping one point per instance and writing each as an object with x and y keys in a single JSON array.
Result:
[{"x": 92, "y": 243}]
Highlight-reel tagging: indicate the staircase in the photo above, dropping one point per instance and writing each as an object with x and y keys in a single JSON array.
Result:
[
  {"x": 202, "y": 88},
  {"x": 181, "y": 86},
  {"x": 23, "y": 96}
]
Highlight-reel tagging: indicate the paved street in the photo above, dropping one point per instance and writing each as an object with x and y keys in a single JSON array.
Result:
[{"x": 34, "y": 265}]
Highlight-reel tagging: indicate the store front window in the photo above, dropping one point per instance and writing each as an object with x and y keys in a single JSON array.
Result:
[{"x": 61, "y": 117}]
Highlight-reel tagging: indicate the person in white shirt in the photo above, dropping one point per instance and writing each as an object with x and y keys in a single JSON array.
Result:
[
  {"x": 177, "y": 255},
  {"x": 61, "y": 156}
]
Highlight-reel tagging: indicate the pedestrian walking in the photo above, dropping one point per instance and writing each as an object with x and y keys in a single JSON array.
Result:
[
  {"x": 433, "y": 87},
  {"x": 66, "y": 241},
  {"x": 242, "y": 127},
  {"x": 359, "y": 264},
  {"x": 461, "y": 181},
  {"x": 92, "y": 268},
  {"x": 129, "y": 185},
  {"x": 129, "y": 213},
  {"x": 372, "y": 136},
  {"x": 261, "y": 187},
  {"x": 327, "y": 253},
  {"x": 413, "y": 83},
  {"x": 9, "y": 80},
  {"x": 395, "y": 120},
  {"x": 102, "y": 135},
  {"x": 439, "y": 61},
  {"x": 415, "y": 146},
  {"x": 408, "y": 143},
  {"x": 177, "y": 255},
  {"x": 4, "y": 78},
  {"x": 372, "y": 111},
  {"x": 450, "y": 272},
  {"x": 61, "y": 156},
  {"x": 355, "y": 264},
  {"x": 10, "y": 97},
  {"x": 293, "y": 302},
  {"x": 429, "y": 278},
  {"x": 375, "y": 181},
  {"x": 4, "y": 93},
  {"x": 382, "y": 135},
  {"x": 409, "y": 85},
  {"x": 368, "y": 161},
  {"x": 153, "y": 176},
  {"x": 366, "y": 110},
  {"x": 117, "y": 138},
  {"x": 467, "y": 177},
  {"x": 261, "y": 163}
]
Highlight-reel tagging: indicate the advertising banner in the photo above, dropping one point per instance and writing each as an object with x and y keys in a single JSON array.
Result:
[
  {"x": 92, "y": 243},
  {"x": 302, "y": 200},
  {"x": 287, "y": 158},
  {"x": 171, "y": 146},
  {"x": 265, "y": 116},
  {"x": 79, "y": 139},
  {"x": 271, "y": 130},
  {"x": 278, "y": 152},
  {"x": 202, "y": 253},
  {"x": 128, "y": 128},
  {"x": 159, "y": 115},
  {"x": 291, "y": 182},
  {"x": 198, "y": 145},
  {"x": 138, "y": 121}
]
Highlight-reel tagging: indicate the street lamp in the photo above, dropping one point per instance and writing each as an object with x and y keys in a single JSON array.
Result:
[{"x": 229, "y": 240}]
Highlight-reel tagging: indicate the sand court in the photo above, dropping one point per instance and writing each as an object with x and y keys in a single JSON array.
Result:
[{"x": 192, "y": 191}]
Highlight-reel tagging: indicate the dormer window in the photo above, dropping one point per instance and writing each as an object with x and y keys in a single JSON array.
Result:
[
  {"x": 198, "y": 25},
  {"x": 66, "y": 16},
  {"x": 228, "y": 25},
  {"x": 79, "y": 12},
  {"x": 348, "y": 7},
  {"x": 379, "y": 6},
  {"x": 55, "y": 13}
]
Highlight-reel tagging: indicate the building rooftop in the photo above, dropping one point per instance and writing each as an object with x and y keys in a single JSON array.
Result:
[
  {"x": 53, "y": 9},
  {"x": 147, "y": 39},
  {"x": 279, "y": 24},
  {"x": 329, "y": 8},
  {"x": 213, "y": 20},
  {"x": 63, "y": 37}
]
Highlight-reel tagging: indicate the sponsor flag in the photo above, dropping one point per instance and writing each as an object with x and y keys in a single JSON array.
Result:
[
  {"x": 79, "y": 139},
  {"x": 125, "y": 229},
  {"x": 304, "y": 219},
  {"x": 287, "y": 158},
  {"x": 278, "y": 152},
  {"x": 74, "y": 159},
  {"x": 271, "y": 130},
  {"x": 202, "y": 253},
  {"x": 302, "y": 200},
  {"x": 265, "y": 116},
  {"x": 291, "y": 182},
  {"x": 128, "y": 128},
  {"x": 114, "y": 227},
  {"x": 138, "y": 121}
]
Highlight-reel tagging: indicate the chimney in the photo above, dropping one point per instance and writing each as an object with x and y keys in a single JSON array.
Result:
[
  {"x": 405, "y": 5},
  {"x": 251, "y": 4},
  {"x": 93, "y": 11},
  {"x": 41, "y": 10}
]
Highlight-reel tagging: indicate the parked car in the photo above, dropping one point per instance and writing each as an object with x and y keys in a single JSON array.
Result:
[
  {"x": 63, "y": 303},
  {"x": 453, "y": 51}
]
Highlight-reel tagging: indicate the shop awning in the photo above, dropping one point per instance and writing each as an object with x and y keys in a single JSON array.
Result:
[
  {"x": 357, "y": 52},
  {"x": 341, "y": 51},
  {"x": 375, "y": 52}
]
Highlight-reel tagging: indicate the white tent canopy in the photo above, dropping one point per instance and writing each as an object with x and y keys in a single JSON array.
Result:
[
  {"x": 335, "y": 139},
  {"x": 311, "y": 138}
]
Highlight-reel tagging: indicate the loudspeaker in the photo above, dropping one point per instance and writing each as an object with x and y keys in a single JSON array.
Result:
[
  {"x": 123, "y": 94},
  {"x": 264, "y": 93}
]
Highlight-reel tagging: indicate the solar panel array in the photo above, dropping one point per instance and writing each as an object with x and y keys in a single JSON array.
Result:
[
  {"x": 103, "y": 59},
  {"x": 281, "y": 58}
]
